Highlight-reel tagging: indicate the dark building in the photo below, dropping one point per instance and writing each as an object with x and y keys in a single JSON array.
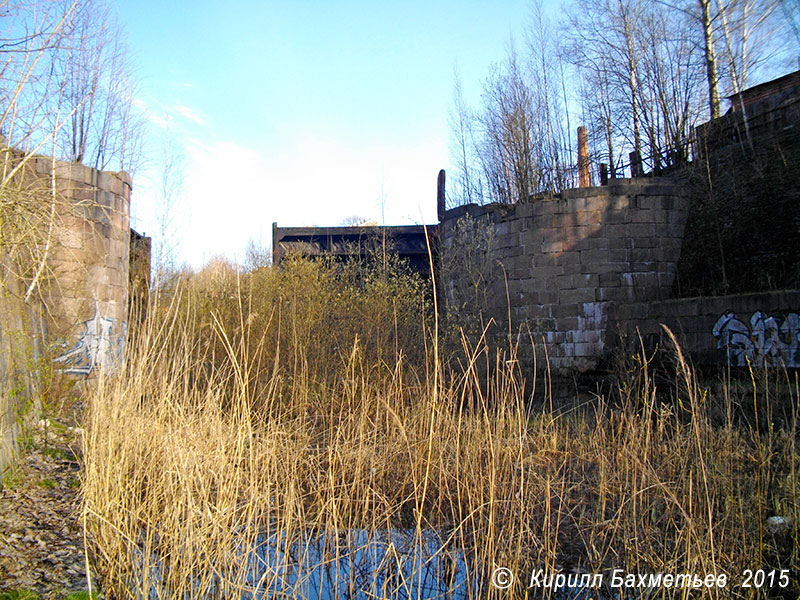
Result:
[{"x": 410, "y": 242}]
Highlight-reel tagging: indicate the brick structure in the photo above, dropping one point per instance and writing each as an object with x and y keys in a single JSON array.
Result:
[
  {"x": 762, "y": 329},
  {"x": 559, "y": 267}
]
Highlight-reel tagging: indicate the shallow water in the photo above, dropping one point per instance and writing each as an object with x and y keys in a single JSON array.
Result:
[
  {"x": 358, "y": 564},
  {"x": 361, "y": 564}
]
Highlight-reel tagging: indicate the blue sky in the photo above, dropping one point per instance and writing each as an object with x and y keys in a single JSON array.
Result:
[{"x": 304, "y": 113}]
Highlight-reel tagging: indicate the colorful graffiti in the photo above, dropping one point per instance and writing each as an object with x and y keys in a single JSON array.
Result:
[
  {"x": 96, "y": 348},
  {"x": 768, "y": 341}
]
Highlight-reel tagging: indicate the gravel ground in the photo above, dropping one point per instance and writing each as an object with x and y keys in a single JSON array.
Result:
[{"x": 41, "y": 536}]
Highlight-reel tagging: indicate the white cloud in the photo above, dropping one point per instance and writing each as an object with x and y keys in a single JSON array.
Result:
[
  {"x": 233, "y": 193},
  {"x": 189, "y": 113}
]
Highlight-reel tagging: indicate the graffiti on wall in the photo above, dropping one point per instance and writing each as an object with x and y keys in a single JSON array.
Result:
[
  {"x": 766, "y": 341},
  {"x": 96, "y": 347}
]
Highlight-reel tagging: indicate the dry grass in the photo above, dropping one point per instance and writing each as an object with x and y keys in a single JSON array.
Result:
[{"x": 308, "y": 407}]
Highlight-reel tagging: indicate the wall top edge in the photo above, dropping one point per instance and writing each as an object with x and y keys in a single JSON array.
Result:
[
  {"x": 615, "y": 187},
  {"x": 43, "y": 163}
]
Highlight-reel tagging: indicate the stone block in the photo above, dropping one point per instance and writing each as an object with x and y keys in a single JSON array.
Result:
[
  {"x": 547, "y": 284},
  {"x": 518, "y": 225},
  {"x": 532, "y": 238},
  {"x": 586, "y": 336},
  {"x": 548, "y": 271},
  {"x": 585, "y": 280},
  {"x": 640, "y": 230},
  {"x": 526, "y": 210},
  {"x": 610, "y": 267},
  {"x": 601, "y": 204},
  {"x": 568, "y": 323},
  {"x": 589, "y": 217},
  {"x": 564, "y": 282},
  {"x": 617, "y": 217},
  {"x": 579, "y": 245},
  {"x": 575, "y": 269},
  {"x": 597, "y": 242},
  {"x": 566, "y": 349},
  {"x": 508, "y": 240},
  {"x": 594, "y": 257},
  {"x": 518, "y": 269},
  {"x": 551, "y": 234},
  {"x": 618, "y": 243},
  {"x": 619, "y": 231},
  {"x": 502, "y": 228},
  {"x": 577, "y": 296},
  {"x": 510, "y": 252},
  {"x": 592, "y": 350},
  {"x": 567, "y": 258},
  {"x": 642, "y": 216},
  {"x": 552, "y": 247},
  {"x": 613, "y": 294},
  {"x": 539, "y": 297},
  {"x": 606, "y": 280},
  {"x": 555, "y": 337}
]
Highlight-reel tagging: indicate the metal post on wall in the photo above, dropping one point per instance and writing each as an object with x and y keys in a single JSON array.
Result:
[
  {"x": 636, "y": 164},
  {"x": 440, "y": 208},
  {"x": 584, "y": 174}
]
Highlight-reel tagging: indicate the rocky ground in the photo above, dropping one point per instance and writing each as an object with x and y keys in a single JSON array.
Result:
[{"x": 41, "y": 536}]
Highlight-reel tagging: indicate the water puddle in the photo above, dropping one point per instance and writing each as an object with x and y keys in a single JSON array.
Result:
[{"x": 361, "y": 564}]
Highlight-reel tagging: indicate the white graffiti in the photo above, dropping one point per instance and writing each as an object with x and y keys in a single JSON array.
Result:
[
  {"x": 769, "y": 341},
  {"x": 96, "y": 348}
]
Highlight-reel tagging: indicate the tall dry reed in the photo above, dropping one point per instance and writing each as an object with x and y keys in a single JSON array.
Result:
[{"x": 246, "y": 417}]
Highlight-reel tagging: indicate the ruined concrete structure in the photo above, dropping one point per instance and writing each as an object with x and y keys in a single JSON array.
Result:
[
  {"x": 87, "y": 294},
  {"x": 559, "y": 267},
  {"x": 77, "y": 311},
  {"x": 584, "y": 269}
]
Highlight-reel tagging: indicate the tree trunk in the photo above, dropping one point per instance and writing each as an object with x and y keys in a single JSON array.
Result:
[{"x": 711, "y": 59}]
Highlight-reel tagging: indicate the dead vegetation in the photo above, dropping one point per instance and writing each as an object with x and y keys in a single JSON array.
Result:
[{"x": 310, "y": 401}]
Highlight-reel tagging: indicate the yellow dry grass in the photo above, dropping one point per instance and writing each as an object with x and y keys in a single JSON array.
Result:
[{"x": 301, "y": 402}]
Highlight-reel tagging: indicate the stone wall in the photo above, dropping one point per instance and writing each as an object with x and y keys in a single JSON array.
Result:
[
  {"x": 556, "y": 269},
  {"x": 87, "y": 294},
  {"x": 762, "y": 329},
  {"x": 21, "y": 341},
  {"x": 63, "y": 279}
]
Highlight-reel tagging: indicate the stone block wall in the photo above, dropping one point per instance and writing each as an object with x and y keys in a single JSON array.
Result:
[
  {"x": 556, "y": 269},
  {"x": 87, "y": 294},
  {"x": 761, "y": 328},
  {"x": 64, "y": 291}
]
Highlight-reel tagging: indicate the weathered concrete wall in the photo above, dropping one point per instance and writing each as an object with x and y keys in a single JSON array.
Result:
[
  {"x": 559, "y": 268},
  {"x": 762, "y": 329},
  {"x": 87, "y": 293},
  {"x": 63, "y": 279},
  {"x": 21, "y": 341},
  {"x": 139, "y": 276}
]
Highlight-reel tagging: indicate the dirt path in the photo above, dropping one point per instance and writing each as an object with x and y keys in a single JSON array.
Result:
[{"x": 41, "y": 536}]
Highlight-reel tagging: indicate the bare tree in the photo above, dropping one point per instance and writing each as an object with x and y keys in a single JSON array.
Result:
[
  {"x": 103, "y": 130},
  {"x": 517, "y": 143},
  {"x": 466, "y": 186},
  {"x": 607, "y": 38},
  {"x": 170, "y": 190}
]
